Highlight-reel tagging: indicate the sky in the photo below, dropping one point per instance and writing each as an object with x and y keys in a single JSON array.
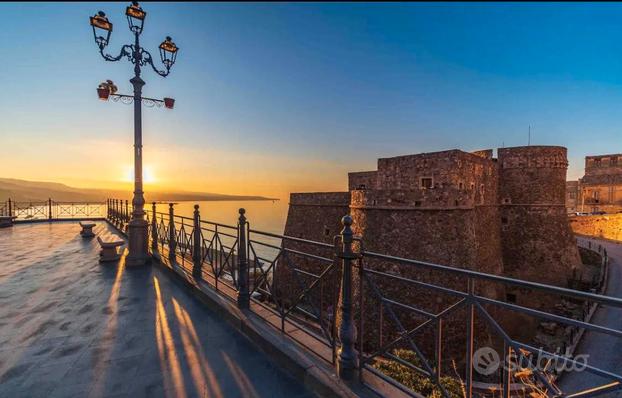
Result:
[{"x": 277, "y": 98}]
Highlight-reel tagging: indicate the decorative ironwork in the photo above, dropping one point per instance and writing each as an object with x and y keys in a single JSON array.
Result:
[
  {"x": 129, "y": 99},
  {"x": 299, "y": 281},
  {"x": 53, "y": 210}
]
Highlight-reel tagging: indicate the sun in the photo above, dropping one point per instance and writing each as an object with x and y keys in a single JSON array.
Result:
[{"x": 148, "y": 174}]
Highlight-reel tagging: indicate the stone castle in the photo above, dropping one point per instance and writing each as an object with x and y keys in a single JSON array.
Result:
[
  {"x": 600, "y": 189},
  {"x": 503, "y": 215}
]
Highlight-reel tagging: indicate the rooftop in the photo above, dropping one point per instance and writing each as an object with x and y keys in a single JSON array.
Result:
[{"x": 70, "y": 326}]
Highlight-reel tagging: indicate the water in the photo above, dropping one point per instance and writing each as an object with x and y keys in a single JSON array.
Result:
[{"x": 264, "y": 215}]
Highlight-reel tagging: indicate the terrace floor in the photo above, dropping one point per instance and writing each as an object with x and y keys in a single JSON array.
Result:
[{"x": 70, "y": 326}]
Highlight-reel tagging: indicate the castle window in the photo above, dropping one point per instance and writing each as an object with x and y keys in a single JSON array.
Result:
[
  {"x": 417, "y": 203},
  {"x": 362, "y": 187},
  {"x": 426, "y": 182},
  {"x": 504, "y": 220},
  {"x": 456, "y": 203},
  {"x": 510, "y": 298},
  {"x": 461, "y": 185},
  {"x": 507, "y": 201},
  {"x": 326, "y": 231}
]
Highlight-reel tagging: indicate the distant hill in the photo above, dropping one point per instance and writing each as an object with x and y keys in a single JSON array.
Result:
[{"x": 31, "y": 191}]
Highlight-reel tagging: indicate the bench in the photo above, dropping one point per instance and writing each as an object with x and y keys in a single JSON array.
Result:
[
  {"x": 6, "y": 221},
  {"x": 87, "y": 229},
  {"x": 109, "y": 246}
]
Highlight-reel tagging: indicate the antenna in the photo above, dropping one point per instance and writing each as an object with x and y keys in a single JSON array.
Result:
[{"x": 529, "y": 136}]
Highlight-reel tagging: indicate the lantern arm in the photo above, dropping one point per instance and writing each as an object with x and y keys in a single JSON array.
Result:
[
  {"x": 148, "y": 59},
  {"x": 126, "y": 51}
]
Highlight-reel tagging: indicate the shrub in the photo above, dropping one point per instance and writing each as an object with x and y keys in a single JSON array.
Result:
[{"x": 415, "y": 381}]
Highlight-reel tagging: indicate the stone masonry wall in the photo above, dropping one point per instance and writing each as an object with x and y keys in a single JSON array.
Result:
[
  {"x": 606, "y": 226},
  {"x": 315, "y": 217},
  {"x": 458, "y": 179},
  {"x": 537, "y": 242},
  {"x": 503, "y": 216},
  {"x": 358, "y": 179}
]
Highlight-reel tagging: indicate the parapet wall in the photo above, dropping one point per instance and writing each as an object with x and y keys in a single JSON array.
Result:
[
  {"x": 316, "y": 216},
  {"x": 606, "y": 226},
  {"x": 362, "y": 180},
  {"x": 533, "y": 175}
]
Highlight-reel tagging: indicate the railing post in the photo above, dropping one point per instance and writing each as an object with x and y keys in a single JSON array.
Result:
[
  {"x": 154, "y": 229},
  {"x": 10, "y": 208},
  {"x": 470, "y": 338},
  {"x": 49, "y": 208},
  {"x": 197, "y": 257},
  {"x": 244, "y": 298},
  {"x": 347, "y": 358},
  {"x": 171, "y": 233},
  {"x": 115, "y": 206},
  {"x": 127, "y": 212}
]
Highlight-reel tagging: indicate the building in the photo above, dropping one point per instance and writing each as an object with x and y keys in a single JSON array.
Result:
[
  {"x": 504, "y": 216},
  {"x": 600, "y": 189}
]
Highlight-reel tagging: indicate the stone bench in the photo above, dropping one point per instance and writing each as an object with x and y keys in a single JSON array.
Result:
[
  {"x": 109, "y": 244},
  {"x": 87, "y": 229},
  {"x": 6, "y": 221}
]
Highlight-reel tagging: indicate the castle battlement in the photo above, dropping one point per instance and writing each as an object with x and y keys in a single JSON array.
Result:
[{"x": 502, "y": 215}]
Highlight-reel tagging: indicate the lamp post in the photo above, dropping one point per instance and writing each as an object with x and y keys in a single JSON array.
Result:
[{"x": 102, "y": 28}]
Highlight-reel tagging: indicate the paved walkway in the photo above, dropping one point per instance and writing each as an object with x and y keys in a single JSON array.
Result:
[
  {"x": 604, "y": 351},
  {"x": 71, "y": 327}
]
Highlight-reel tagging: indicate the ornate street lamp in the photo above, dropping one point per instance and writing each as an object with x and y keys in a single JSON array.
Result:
[{"x": 102, "y": 28}]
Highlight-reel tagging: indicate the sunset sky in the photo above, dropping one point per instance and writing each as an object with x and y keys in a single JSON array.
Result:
[{"x": 274, "y": 98}]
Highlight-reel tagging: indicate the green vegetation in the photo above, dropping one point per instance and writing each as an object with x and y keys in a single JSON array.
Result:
[{"x": 416, "y": 381}]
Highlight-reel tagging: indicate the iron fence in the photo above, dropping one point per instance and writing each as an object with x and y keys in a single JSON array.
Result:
[
  {"x": 416, "y": 326},
  {"x": 52, "y": 210}
]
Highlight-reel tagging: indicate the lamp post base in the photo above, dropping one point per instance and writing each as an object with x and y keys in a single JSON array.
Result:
[{"x": 138, "y": 253}]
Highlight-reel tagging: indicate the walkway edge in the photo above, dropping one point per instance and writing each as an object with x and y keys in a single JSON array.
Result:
[{"x": 317, "y": 377}]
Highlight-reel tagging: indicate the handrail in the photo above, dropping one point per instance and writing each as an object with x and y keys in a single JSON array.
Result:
[{"x": 295, "y": 285}]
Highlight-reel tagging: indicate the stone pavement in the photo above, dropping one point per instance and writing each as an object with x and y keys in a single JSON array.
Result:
[{"x": 71, "y": 327}]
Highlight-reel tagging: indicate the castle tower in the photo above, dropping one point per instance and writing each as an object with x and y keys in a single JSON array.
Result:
[{"x": 537, "y": 241}]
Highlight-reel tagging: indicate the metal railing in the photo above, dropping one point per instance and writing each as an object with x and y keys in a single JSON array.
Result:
[
  {"x": 409, "y": 323},
  {"x": 51, "y": 210},
  {"x": 119, "y": 213}
]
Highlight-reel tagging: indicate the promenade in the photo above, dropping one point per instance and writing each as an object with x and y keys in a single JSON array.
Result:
[{"x": 72, "y": 327}]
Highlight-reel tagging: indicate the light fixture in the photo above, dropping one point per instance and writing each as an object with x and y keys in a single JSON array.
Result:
[
  {"x": 101, "y": 29},
  {"x": 168, "y": 52},
  {"x": 135, "y": 17}
]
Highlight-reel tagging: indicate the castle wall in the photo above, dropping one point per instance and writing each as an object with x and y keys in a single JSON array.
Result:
[
  {"x": 389, "y": 223},
  {"x": 537, "y": 242},
  {"x": 362, "y": 180},
  {"x": 448, "y": 179},
  {"x": 315, "y": 217},
  {"x": 504, "y": 216}
]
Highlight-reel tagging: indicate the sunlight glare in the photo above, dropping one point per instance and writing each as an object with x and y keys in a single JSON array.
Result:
[{"x": 148, "y": 174}]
